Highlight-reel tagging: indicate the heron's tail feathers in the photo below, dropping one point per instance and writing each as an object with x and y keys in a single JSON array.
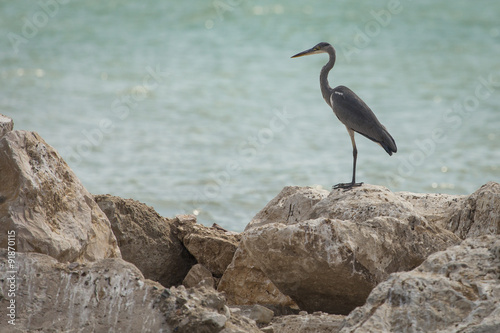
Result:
[
  {"x": 388, "y": 143},
  {"x": 383, "y": 138}
]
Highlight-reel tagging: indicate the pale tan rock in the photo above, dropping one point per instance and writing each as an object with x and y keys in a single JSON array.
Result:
[
  {"x": 6, "y": 125},
  {"x": 479, "y": 214},
  {"x": 295, "y": 204},
  {"x": 48, "y": 207},
  {"x": 436, "y": 208},
  {"x": 147, "y": 240},
  {"x": 199, "y": 276},
  {"x": 345, "y": 244},
  {"x": 363, "y": 203},
  {"x": 244, "y": 283},
  {"x": 456, "y": 290},
  {"x": 109, "y": 295},
  {"x": 465, "y": 215},
  {"x": 212, "y": 247},
  {"x": 259, "y": 313}
]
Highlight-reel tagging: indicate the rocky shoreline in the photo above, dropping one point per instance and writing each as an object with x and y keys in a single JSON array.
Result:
[{"x": 364, "y": 260}]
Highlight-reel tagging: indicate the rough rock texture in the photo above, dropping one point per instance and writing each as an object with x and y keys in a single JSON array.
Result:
[
  {"x": 260, "y": 314},
  {"x": 456, "y": 290},
  {"x": 212, "y": 247},
  {"x": 202, "y": 310},
  {"x": 45, "y": 203},
  {"x": 466, "y": 216},
  {"x": 109, "y": 295},
  {"x": 147, "y": 240},
  {"x": 292, "y": 204},
  {"x": 318, "y": 322},
  {"x": 480, "y": 213},
  {"x": 199, "y": 276},
  {"x": 436, "y": 208},
  {"x": 295, "y": 204},
  {"x": 6, "y": 125},
  {"x": 244, "y": 283},
  {"x": 328, "y": 254}
]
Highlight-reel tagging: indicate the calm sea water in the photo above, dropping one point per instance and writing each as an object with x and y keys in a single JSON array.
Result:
[{"x": 196, "y": 106}]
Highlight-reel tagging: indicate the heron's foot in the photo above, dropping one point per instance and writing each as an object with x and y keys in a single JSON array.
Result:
[{"x": 346, "y": 186}]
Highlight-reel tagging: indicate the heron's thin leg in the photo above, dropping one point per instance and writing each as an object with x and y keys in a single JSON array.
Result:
[{"x": 354, "y": 158}]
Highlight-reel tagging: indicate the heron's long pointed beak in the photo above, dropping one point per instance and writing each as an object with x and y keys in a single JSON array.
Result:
[{"x": 304, "y": 53}]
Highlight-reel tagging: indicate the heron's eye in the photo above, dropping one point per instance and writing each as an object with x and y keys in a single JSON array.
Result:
[{"x": 316, "y": 48}]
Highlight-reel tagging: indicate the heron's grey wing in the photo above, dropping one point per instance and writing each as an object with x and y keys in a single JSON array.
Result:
[{"x": 356, "y": 115}]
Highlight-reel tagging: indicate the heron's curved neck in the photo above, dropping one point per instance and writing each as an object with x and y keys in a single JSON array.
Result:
[{"x": 323, "y": 76}]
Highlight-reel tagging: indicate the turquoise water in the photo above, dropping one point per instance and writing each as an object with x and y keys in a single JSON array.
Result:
[{"x": 196, "y": 106}]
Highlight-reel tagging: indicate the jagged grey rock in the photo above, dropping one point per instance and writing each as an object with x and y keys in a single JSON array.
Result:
[
  {"x": 147, "y": 240},
  {"x": 479, "y": 214},
  {"x": 456, "y": 290},
  {"x": 435, "y": 208},
  {"x": 109, "y": 295},
  {"x": 47, "y": 205},
  {"x": 465, "y": 215}
]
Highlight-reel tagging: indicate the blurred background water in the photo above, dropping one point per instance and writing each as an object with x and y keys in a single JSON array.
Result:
[{"x": 196, "y": 106}]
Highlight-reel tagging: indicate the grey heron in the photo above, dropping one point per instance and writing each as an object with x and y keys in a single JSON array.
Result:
[{"x": 351, "y": 111}]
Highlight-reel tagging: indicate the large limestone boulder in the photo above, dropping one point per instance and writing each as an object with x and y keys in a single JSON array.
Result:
[
  {"x": 328, "y": 251},
  {"x": 43, "y": 201},
  {"x": 332, "y": 265},
  {"x": 456, "y": 290},
  {"x": 147, "y": 240},
  {"x": 109, "y": 295}
]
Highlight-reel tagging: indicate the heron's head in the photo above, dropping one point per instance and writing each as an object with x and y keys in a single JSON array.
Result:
[{"x": 318, "y": 48}]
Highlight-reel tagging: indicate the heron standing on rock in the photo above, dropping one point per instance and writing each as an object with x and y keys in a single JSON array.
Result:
[{"x": 351, "y": 111}]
